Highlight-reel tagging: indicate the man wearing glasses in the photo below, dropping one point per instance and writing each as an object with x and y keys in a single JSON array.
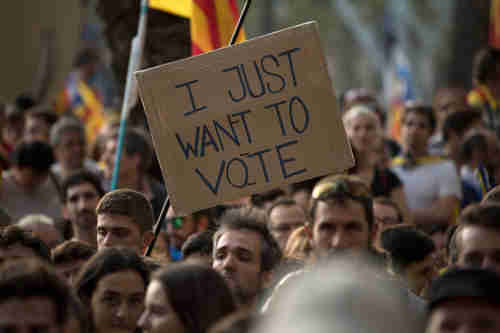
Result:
[
  {"x": 181, "y": 226},
  {"x": 387, "y": 214}
]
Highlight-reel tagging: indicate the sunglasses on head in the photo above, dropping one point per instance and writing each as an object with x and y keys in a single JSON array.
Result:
[{"x": 337, "y": 189}]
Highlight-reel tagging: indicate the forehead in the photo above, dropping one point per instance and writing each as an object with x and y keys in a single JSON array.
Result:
[
  {"x": 116, "y": 221},
  {"x": 239, "y": 239},
  {"x": 416, "y": 116},
  {"x": 384, "y": 210},
  {"x": 125, "y": 282},
  {"x": 340, "y": 212},
  {"x": 463, "y": 309},
  {"x": 475, "y": 237},
  {"x": 287, "y": 212},
  {"x": 81, "y": 188}
]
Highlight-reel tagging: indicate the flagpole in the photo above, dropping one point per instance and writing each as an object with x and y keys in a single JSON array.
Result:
[
  {"x": 166, "y": 204},
  {"x": 130, "y": 95}
]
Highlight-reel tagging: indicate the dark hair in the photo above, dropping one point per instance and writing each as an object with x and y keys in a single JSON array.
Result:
[
  {"x": 71, "y": 250},
  {"x": 28, "y": 278},
  {"x": 81, "y": 177},
  {"x": 484, "y": 65},
  {"x": 107, "y": 261},
  {"x": 130, "y": 203},
  {"x": 198, "y": 295},
  {"x": 480, "y": 284},
  {"x": 405, "y": 245},
  {"x": 458, "y": 122},
  {"x": 492, "y": 197},
  {"x": 246, "y": 218},
  {"x": 339, "y": 189},
  {"x": 484, "y": 215},
  {"x": 424, "y": 110},
  {"x": 260, "y": 199},
  {"x": 63, "y": 126},
  {"x": 476, "y": 142},
  {"x": 135, "y": 141},
  {"x": 13, "y": 234},
  {"x": 383, "y": 201},
  {"x": 37, "y": 155},
  {"x": 44, "y": 112},
  {"x": 287, "y": 202},
  {"x": 200, "y": 242}
]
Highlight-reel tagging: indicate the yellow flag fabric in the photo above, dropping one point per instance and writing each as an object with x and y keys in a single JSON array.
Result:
[{"x": 176, "y": 7}]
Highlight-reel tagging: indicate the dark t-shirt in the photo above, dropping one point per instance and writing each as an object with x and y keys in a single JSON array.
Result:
[{"x": 384, "y": 182}]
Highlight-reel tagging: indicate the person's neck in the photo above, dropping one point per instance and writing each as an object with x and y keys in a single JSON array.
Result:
[
  {"x": 86, "y": 236},
  {"x": 364, "y": 162}
]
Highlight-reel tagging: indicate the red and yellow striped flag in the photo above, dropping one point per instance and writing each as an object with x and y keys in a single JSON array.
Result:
[
  {"x": 495, "y": 24},
  {"x": 212, "y": 21},
  {"x": 212, "y": 24}
]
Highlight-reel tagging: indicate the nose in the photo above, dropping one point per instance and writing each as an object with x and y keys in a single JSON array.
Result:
[
  {"x": 339, "y": 240},
  {"x": 229, "y": 263},
  {"x": 122, "y": 311},
  {"x": 108, "y": 240}
]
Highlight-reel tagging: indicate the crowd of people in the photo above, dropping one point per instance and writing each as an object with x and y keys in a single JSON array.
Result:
[{"x": 408, "y": 240}]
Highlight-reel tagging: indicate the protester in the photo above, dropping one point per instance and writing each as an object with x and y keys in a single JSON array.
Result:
[
  {"x": 137, "y": 156},
  {"x": 180, "y": 226},
  {"x": 284, "y": 216},
  {"x": 185, "y": 298},
  {"x": 33, "y": 298},
  {"x": 198, "y": 248},
  {"x": 27, "y": 187},
  {"x": 68, "y": 140},
  {"x": 476, "y": 241},
  {"x": 15, "y": 243},
  {"x": 410, "y": 256},
  {"x": 341, "y": 215},
  {"x": 42, "y": 227},
  {"x": 81, "y": 193},
  {"x": 112, "y": 284},
  {"x": 386, "y": 214},
  {"x": 124, "y": 219},
  {"x": 245, "y": 254},
  {"x": 465, "y": 301},
  {"x": 38, "y": 122},
  {"x": 70, "y": 256},
  {"x": 364, "y": 131},
  {"x": 432, "y": 185}
]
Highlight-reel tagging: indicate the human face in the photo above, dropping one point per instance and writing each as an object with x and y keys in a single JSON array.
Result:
[
  {"x": 82, "y": 200},
  {"x": 479, "y": 247},
  {"x": 158, "y": 315},
  {"x": 16, "y": 251},
  {"x": 237, "y": 257},
  {"x": 364, "y": 131},
  {"x": 118, "y": 231},
  {"x": 338, "y": 226},
  {"x": 70, "y": 151},
  {"x": 31, "y": 315},
  {"x": 180, "y": 231},
  {"x": 415, "y": 132},
  {"x": 464, "y": 315},
  {"x": 117, "y": 302},
  {"x": 27, "y": 177},
  {"x": 420, "y": 274},
  {"x": 36, "y": 130},
  {"x": 283, "y": 220},
  {"x": 128, "y": 164},
  {"x": 385, "y": 217}
]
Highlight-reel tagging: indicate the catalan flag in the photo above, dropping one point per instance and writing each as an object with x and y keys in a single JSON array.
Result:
[
  {"x": 212, "y": 21},
  {"x": 494, "y": 38}
]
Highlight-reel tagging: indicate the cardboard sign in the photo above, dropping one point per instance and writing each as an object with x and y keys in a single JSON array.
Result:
[{"x": 245, "y": 119}]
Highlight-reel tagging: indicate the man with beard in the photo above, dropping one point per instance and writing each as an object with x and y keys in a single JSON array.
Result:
[
  {"x": 82, "y": 191},
  {"x": 245, "y": 253}
]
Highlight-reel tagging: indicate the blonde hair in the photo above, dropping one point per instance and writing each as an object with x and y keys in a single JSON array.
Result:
[
  {"x": 359, "y": 110},
  {"x": 298, "y": 245}
]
